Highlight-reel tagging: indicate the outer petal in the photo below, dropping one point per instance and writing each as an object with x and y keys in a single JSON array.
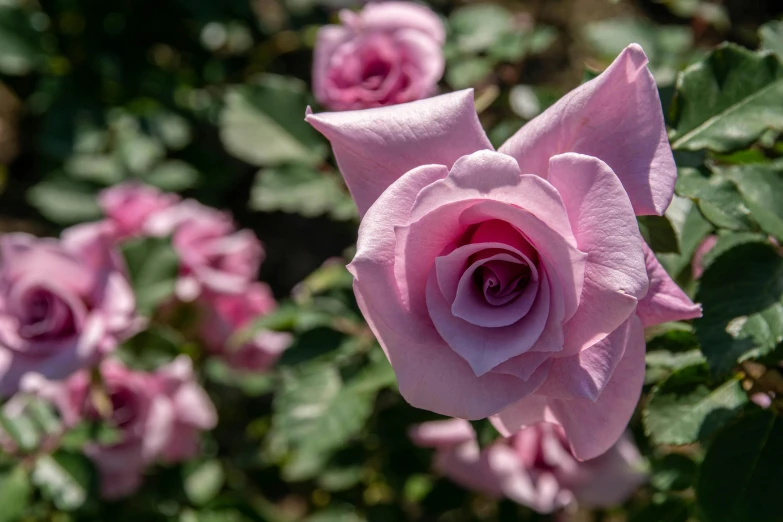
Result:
[
  {"x": 431, "y": 376},
  {"x": 616, "y": 117},
  {"x": 445, "y": 433},
  {"x": 329, "y": 38},
  {"x": 392, "y": 16},
  {"x": 374, "y": 147},
  {"x": 587, "y": 373},
  {"x": 665, "y": 301},
  {"x": 427, "y": 56},
  {"x": 590, "y": 427},
  {"x": 606, "y": 229}
]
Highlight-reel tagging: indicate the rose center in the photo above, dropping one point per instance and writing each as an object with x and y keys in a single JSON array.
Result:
[
  {"x": 45, "y": 316},
  {"x": 499, "y": 279}
]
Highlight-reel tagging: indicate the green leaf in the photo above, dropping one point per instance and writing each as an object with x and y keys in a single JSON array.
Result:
[
  {"x": 771, "y": 35},
  {"x": 336, "y": 514},
  {"x": 20, "y": 44},
  {"x": 671, "y": 509},
  {"x": 22, "y": 429},
  {"x": 465, "y": 72},
  {"x": 139, "y": 152},
  {"x": 152, "y": 265},
  {"x": 15, "y": 493},
  {"x": 761, "y": 187},
  {"x": 659, "y": 234},
  {"x": 263, "y": 123},
  {"x": 64, "y": 201},
  {"x": 340, "y": 479},
  {"x": 682, "y": 409},
  {"x": 64, "y": 478},
  {"x": 376, "y": 375},
  {"x": 717, "y": 198},
  {"x": 741, "y": 297},
  {"x": 742, "y": 472},
  {"x": 728, "y": 100},
  {"x": 477, "y": 27},
  {"x": 203, "y": 481},
  {"x": 302, "y": 190},
  {"x": 313, "y": 411},
  {"x": 98, "y": 168},
  {"x": 728, "y": 241},
  {"x": 673, "y": 472},
  {"x": 661, "y": 363},
  {"x": 172, "y": 176}
]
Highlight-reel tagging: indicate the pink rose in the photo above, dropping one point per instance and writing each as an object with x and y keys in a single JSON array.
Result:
[
  {"x": 506, "y": 283},
  {"x": 129, "y": 206},
  {"x": 226, "y": 314},
  {"x": 388, "y": 53},
  {"x": 158, "y": 415},
  {"x": 214, "y": 255},
  {"x": 534, "y": 467},
  {"x": 63, "y": 303}
]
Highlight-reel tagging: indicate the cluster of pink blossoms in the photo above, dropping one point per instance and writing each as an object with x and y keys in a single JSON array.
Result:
[{"x": 66, "y": 304}]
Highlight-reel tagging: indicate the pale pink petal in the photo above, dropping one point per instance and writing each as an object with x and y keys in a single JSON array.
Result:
[
  {"x": 445, "y": 433},
  {"x": 426, "y": 55},
  {"x": 617, "y": 118},
  {"x": 697, "y": 264},
  {"x": 466, "y": 465},
  {"x": 587, "y": 373},
  {"x": 375, "y": 147},
  {"x": 327, "y": 40},
  {"x": 606, "y": 229},
  {"x": 611, "y": 478},
  {"x": 665, "y": 301},
  {"x": 590, "y": 427},
  {"x": 393, "y": 16}
]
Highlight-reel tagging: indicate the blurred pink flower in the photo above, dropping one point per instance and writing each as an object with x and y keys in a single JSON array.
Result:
[
  {"x": 227, "y": 314},
  {"x": 158, "y": 416},
  {"x": 697, "y": 264},
  {"x": 63, "y": 303},
  {"x": 215, "y": 256},
  {"x": 129, "y": 206},
  {"x": 390, "y": 52},
  {"x": 514, "y": 284},
  {"x": 534, "y": 467}
]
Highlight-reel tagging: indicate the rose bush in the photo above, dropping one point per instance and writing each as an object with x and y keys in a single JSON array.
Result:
[
  {"x": 515, "y": 284},
  {"x": 158, "y": 416},
  {"x": 534, "y": 467},
  {"x": 388, "y": 53},
  {"x": 64, "y": 303}
]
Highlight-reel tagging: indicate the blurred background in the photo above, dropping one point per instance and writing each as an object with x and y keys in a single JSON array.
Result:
[{"x": 206, "y": 98}]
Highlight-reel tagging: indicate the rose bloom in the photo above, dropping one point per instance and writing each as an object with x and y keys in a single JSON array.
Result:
[
  {"x": 215, "y": 256},
  {"x": 129, "y": 207},
  {"x": 158, "y": 416},
  {"x": 227, "y": 314},
  {"x": 64, "y": 303},
  {"x": 390, "y": 52},
  {"x": 533, "y": 467},
  {"x": 515, "y": 284}
]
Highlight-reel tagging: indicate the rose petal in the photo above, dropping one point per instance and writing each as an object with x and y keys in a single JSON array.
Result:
[
  {"x": 616, "y": 117},
  {"x": 591, "y": 427},
  {"x": 665, "y": 301},
  {"x": 606, "y": 229},
  {"x": 393, "y": 16},
  {"x": 374, "y": 147},
  {"x": 328, "y": 39},
  {"x": 587, "y": 373},
  {"x": 445, "y": 433}
]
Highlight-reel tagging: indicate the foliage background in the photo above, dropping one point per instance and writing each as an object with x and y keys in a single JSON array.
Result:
[{"x": 207, "y": 98}]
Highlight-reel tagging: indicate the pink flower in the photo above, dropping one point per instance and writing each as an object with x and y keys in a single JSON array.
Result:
[
  {"x": 227, "y": 314},
  {"x": 697, "y": 264},
  {"x": 515, "y": 283},
  {"x": 158, "y": 417},
  {"x": 214, "y": 256},
  {"x": 534, "y": 467},
  {"x": 63, "y": 303},
  {"x": 129, "y": 206},
  {"x": 389, "y": 53}
]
